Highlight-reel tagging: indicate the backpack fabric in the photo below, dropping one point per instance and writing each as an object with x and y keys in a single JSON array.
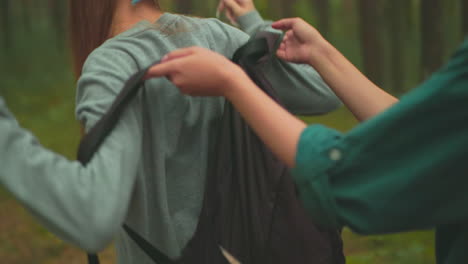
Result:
[{"x": 250, "y": 208}]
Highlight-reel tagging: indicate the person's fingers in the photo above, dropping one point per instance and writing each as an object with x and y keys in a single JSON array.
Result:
[
  {"x": 170, "y": 62},
  {"x": 220, "y": 8},
  {"x": 286, "y": 36},
  {"x": 281, "y": 53},
  {"x": 233, "y": 6},
  {"x": 282, "y": 46},
  {"x": 285, "y": 24},
  {"x": 230, "y": 16},
  {"x": 161, "y": 69},
  {"x": 289, "y": 35},
  {"x": 179, "y": 53}
]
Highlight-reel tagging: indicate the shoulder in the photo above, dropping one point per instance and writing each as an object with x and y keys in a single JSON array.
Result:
[
  {"x": 103, "y": 76},
  {"x": 221, "y": 37},
  {"x": 232, "y": 38},
  {"x": 113, "y": 55},
  {"x": 228, "y": 31}
]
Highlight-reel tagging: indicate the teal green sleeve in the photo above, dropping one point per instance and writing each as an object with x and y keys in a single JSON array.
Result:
[
  {"x": 84, "y": 205},
  {"x": 402, "y": 170},
  {"x": 300, "y": 88}
]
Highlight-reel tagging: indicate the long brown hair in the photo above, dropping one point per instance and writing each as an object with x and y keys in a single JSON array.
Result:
[{"x": 90, "y": 25}]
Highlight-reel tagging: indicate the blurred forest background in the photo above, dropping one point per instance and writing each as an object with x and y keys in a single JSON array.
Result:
[{"x": 397, "y": 43}]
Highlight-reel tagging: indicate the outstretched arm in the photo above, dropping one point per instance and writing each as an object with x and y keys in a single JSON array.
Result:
[
  {"x": 278, "y": 128},
  {"x": 84, "y": 205},
  {"x": 299, "y": 87},
  {"x": 304, "y": 44},
  {"x": 371, "y": 174}
]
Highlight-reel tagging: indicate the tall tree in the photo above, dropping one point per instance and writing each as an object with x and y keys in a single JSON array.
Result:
[
  {"x": 27, "y": 8},
  {"x": 371, "y": 42},
  {"x": 183, "y": 6},
  {"x": 5, "y": 22},
  {"x": 288, "y": 7},
  {"x": 464, "y": 16},
  {"x": 57, "y": 15},
  {"x": 276, "y": 9},
  {"x": 322, "y": 9},
  {"x": 432, "y": 36},
  {"x": 399, "y": 15}
]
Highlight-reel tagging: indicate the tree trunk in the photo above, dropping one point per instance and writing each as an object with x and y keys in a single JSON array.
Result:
[
  {"x": 399, "y": 16},
  {"x": 5, "y": 20},
  {"x": 275, "y": 9},
  {"x": 322, "y": 10},
  {"x": 288, "y": 8},
  {"x": 27, "y": 23},
  {"x": 371, "y": 42},
  {"x": 432, "y": 31},
  {"x": 183, "y": 6},
  {"x": 464, "y": 17},
  {"x": 58, "y": 9}
]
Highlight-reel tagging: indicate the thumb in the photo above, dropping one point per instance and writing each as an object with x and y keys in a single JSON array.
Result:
[
  {"x": 161, "y": 69},
  {"x": 281, "y": 52}
]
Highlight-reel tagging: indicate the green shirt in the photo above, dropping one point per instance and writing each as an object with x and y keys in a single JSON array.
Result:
[
  {"x": 405, "y": 169},
  {"x": 150, "y": 171}
]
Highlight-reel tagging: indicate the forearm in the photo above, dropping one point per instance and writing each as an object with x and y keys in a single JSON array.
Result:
[
  {"x": 415, "y": 177},
  {"x": 278, "y": 129},
  {"x": 363, "y": 98},
  {"x": 82, "y": 205}
]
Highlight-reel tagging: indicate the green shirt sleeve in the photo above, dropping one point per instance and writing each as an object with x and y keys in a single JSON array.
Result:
[{"x": 404, "y": 169}]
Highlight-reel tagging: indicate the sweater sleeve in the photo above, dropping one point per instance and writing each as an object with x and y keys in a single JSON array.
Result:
[
  {"x": 84, "y": 205},
  {"x": 402, "y": 170},
  {"x": 299, "y": 86},
  {"x": 252, "y": 22}
]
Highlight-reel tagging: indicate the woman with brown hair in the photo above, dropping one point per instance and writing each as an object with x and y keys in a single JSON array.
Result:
[{"x": 150, "y": 171}]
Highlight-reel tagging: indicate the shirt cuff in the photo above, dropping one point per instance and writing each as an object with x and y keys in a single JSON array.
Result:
[
  {"x": 317, "y": 153},
  {"x": 248, "y": 20}
]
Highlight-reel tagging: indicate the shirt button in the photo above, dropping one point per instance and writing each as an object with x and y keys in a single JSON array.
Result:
[{"x": 335, "y": 154}]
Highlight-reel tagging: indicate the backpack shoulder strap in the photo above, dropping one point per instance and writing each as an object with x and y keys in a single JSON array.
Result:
[{"x": 94, "y": 138}]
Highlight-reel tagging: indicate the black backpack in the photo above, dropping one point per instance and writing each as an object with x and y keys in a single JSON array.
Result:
[{"x": 251, "y": 209}]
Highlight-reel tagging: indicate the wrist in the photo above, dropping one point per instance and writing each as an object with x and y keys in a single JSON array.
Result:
[
  {"x": 319, "y": 52},
  {"x": 249, "y": 20},
  {"x": 235, "y": 83},
  {"x": 245, "y": 11}
]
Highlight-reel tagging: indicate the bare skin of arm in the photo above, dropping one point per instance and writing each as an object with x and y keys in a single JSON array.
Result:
[
  {"x": 304, "y": 44},
  {"x": 279, "y": 129}
]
